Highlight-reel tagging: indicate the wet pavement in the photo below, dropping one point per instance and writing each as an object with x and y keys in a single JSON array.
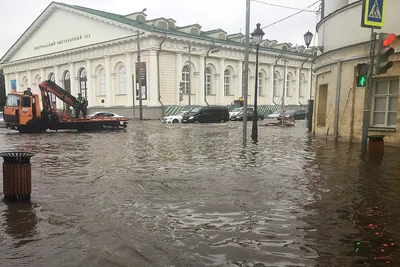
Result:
[{"x": 191, "y": 195}]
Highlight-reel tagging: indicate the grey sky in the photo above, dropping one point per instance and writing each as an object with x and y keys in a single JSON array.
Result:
[{"x": 229, "y": 15}]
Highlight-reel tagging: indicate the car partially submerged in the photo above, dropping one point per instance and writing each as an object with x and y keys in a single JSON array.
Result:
[
  {"x": 100, "y": 114},
  {"x": 175, "y": 118}
]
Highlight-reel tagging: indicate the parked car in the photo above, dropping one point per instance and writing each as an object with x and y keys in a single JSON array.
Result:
[
  {"x": 236, "y": 111},
  {"x": 175, "y": 118},
  {"x": 103, "y": 114},
  {"x": 275, "y": 114},
  {"x": 296, "y": 114},
  {"x": 208, "y": 114},
  {"x": 1, "y": 116},
  {"x": 250, "y": 115}
]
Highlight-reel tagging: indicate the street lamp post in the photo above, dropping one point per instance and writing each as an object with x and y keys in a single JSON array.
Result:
[{"x": 257, "y": 35}]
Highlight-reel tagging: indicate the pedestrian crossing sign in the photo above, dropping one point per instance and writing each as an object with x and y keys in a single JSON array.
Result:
[{"x": 373, "y": 13}]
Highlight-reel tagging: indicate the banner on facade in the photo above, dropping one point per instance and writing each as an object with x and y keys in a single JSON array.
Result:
[
  {"x": 143, "y": 80},
  {"x": 14, "y": 85}
]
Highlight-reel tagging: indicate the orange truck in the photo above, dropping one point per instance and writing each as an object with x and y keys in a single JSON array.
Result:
[{"x": 24, "y": 113}]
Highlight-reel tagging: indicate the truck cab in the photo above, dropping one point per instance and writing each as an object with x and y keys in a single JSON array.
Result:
[{"x": 20, "y": 109}]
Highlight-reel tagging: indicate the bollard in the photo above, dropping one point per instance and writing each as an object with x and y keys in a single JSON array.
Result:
[
  {"x": 17, "y": 175},
  {"x": 376, "y": 143}
]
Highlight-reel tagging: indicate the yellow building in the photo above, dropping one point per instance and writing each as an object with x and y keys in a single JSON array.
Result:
[{"x": 339, "y": 104}]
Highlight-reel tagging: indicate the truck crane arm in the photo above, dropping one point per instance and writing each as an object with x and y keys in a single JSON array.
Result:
[{"x": 51, "y": 87}]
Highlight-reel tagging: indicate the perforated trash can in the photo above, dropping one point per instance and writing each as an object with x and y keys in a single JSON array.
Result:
[
  {"x": 17, "y": 175},
  {"x": 376, "y": 143}
]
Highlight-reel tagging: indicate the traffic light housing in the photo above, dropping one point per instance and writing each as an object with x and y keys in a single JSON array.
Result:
[
  {"x": 384, "y": 52},
  {"x": 362, "y": 75}
]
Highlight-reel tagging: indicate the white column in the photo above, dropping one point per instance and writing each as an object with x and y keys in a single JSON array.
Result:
[
  {"x": 297, "y": 88},
  {"x": 129, "y": 79},
  {"x": 152, "y": 86},
  {"x": 239, "y": 81},
  {"x": 7, "y": 84},
  {"x": 113, "y": 82},
  {"x": 19, "y": 87},
  {"x": 73, "y": 79},
  {"x": 200, "y": 89},
  {"x": 220, "y": 92},
  {"x": 270, "y": 92},
  {"x": 178, "y": 71},
  {"x": 95, "y": 92},
  {"x": 90, "y": 91},
  {"x": 109, "y": 91}
]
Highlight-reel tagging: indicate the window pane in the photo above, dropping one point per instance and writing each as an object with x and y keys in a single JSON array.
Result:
[
  {"x": 382, "y": 87},
  {"x": 392, "y": 118},
  {"x": 393, "y": 104},
  {"x": 379, "y": 118},
  {"x": 380, "y": 104},
  {"x": 394, "y": 87}
]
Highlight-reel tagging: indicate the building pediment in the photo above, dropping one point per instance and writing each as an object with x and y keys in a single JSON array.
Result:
[{"x": 60, "y": 28}]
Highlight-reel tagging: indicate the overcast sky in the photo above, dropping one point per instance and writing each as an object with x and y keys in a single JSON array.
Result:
[{"x": 17, "y": 15}]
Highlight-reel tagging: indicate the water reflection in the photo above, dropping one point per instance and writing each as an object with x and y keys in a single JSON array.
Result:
[{"x": 20, "y": 221}]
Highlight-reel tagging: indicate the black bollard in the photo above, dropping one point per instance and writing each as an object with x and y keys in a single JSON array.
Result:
[{"x": 17, "y": 175}]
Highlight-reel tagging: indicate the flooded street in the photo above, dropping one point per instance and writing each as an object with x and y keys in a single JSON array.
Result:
[{"x": 191, "y": 195}]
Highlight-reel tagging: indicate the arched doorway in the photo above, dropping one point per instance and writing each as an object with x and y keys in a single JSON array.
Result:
[{"x": 83, "y": 82}]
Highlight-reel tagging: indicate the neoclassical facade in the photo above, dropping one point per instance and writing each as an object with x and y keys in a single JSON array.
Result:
[
  {"x": 95, "y": 53},
  {"x": 339, "y": 104}
]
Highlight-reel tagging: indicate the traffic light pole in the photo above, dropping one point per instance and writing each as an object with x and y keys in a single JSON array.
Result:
[{"x": 367, "y": 112}]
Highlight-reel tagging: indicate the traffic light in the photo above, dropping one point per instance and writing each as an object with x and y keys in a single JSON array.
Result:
[
  {"x": 384, "y": 52},
  {"x": 181, "y": 87},
  {"x": 362, "y": 75}
]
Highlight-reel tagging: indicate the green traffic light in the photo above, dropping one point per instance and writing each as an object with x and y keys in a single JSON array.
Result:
[{"x": 361, "y": 81}]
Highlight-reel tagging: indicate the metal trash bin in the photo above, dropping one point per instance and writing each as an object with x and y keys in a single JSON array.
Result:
[
  {"x": 17, "y": 175},
  {"x": 376, "y": 143}
]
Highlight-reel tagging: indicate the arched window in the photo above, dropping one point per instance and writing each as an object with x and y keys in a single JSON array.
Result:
[
  {"x": 25, "y": 83},
  {"x": 52, "y": 77},
  {"x": 260, "y": 84},
  {"x": 208, "y": 81},
  {"x": 67, "y": 81},
  {"x": 227, "y": 82},
  {"x": 289, "y": 83},
  {"x": 194, "y": 31},
  {"x": 38, "y": 80},
  {"x": 82, "y": 82},
  {"x": 162, "y": 25},
  {"x": 123, "y": 88},
  {"x": 185, "y": 79},
  {"x": 302, "y": 86},
  {"x": 102, "y": 80},
  {"x": 277, "y": 77}
]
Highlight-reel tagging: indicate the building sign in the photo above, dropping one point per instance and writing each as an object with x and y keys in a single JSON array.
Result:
[
  {"x": 143, "y": 80},
  {"x": 13, "y": 85},
  {"x": 64, "y": 41}
]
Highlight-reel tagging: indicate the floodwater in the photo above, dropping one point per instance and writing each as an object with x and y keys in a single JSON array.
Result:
[{"x": 191, "y": 195}]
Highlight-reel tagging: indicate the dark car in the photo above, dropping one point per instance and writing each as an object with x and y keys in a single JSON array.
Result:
[
  {"x": 250, "y": 116},
  {"x": 208, "y": 114},
  {"x": 296, "y": 114}
]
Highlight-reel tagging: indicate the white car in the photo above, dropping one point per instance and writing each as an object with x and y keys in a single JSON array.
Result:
[
  {"x": 103, "y": 114},
  {"x": 175, "y": 118},
  {"x": 236, "y": 111},
  {"x": 275, "y": 114}
]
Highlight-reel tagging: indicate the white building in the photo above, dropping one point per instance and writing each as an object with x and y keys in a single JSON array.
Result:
[
  {"x": 339, "y": 104},
  {"x": 95, "y": 52}
]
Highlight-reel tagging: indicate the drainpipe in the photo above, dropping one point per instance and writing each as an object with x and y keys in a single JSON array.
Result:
[
  {"x": 158, "y": 76},
  {"x": 337, "y": 100},
  {"x": 205, "y": 75}
]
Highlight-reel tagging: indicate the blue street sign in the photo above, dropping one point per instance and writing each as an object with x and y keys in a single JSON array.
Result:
[{"x": 373, "y": 13}]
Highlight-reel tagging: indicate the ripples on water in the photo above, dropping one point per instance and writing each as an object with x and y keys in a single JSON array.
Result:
[{"x": 191, "y": 195}]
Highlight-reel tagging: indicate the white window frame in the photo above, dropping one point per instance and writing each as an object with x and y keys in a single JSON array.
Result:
[
  {"x": 208, "y": 81},
  {"x": 387, "y": 96},
  {"x": 185, "y": 79},
  {"x": 227, "y": 82},
  {"x": 261, "y": 84},
  {"x": 276, "y": 84},
  {"x": 102, "y": 82},
  {"x": 122, "y": 81}
]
